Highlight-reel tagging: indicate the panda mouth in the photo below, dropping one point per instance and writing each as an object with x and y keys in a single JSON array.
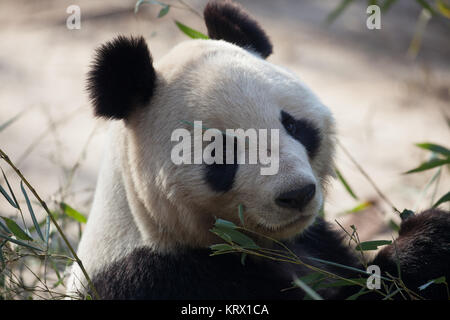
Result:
[{"x": 303, "y": 218}]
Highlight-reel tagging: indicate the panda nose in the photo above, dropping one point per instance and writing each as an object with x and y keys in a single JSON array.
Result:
[{"x": 297, "y": 199}]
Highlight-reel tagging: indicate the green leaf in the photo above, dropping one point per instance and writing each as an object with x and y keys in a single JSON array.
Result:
[
  {"x": 7, "y": 197},
  {"x": 372, "y": 245},
  {"x": 10, "y": 189},
  {"x": 433, "y": 163},
  {"x": 220, "y": 223},
  {"x": 360, "y": 207},
  {"x": 444, "y": 198},
  {"x": 434, "y": 148},
  {"x": 19, "y": 242},
  {"x": 194, "y": 34},
  {"x": 16, "y": 230},
  {"x": 74, "y": 214},
  {"x": 164, "y": 11},
  {"x": 434, "y": 281},
  {"x": 346, "y": 185},
  {"x": 308, "y": 290},
  {"x": 235, "y": 236},
  {"x": 30, "y": 209}
]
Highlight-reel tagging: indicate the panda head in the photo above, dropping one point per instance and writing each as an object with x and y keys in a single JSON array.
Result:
[{"x": 226, "y": 83}]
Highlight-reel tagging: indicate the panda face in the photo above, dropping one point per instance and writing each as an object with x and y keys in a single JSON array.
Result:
[
  {"x": 227, "y": 87},
  {"x": 225, "y": 83}
]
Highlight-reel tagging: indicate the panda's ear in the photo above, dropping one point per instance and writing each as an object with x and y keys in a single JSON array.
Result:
[
  {"x": 228, "y": 21},
  {"x": 121, "y": 78}
]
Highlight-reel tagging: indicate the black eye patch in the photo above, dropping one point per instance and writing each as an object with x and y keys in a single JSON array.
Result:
[
  {"x": 303, "y": 131},
  {"x": 220, "y": 177}
]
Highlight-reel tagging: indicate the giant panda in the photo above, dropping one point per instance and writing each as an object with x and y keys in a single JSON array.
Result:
[{"x": 148, "y": 234}]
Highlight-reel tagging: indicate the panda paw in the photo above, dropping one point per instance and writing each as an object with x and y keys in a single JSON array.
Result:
[{"x": 422, "y": 251}]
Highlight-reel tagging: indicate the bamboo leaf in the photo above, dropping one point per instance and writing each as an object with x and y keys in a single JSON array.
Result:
[
  {"x": 10, "y": 190},
  {"x": 444, "y": 198},
  {"x": 30, "y": 209},
  {"x": 343, "y": 266},
  {"x": 164, "y": 11},
  {"x": 7, "y": 197},
  {"x": 194, "y": 34},
  {"x": 220, "y": 223},
  {"x": 345, "y": 184},
  {"x": 435, "y": 281},
  {"x": 16, "y": 230},
  {"x": 21, "y": 243},
  {"x": 74, "y": 214},
  {"x": 308, "y": 290},
  {"x": 235, "y": 236},
  {"x": 433, "y": 163},
  {"x": 372, "y": 245},
  {"x": 359, "y": 207},
  {"x": 435, "y": 148}
]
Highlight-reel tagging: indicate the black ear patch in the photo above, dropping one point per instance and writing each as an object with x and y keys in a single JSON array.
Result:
[
  {"x": 228, "y": 21},
  {"x": 121, "y": 78}
]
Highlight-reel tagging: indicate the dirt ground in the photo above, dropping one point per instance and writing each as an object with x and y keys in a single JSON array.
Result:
[{"x": 383, "y": 101}]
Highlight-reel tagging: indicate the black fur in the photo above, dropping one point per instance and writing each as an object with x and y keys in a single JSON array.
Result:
[
  {"x": 121, "y": 78},
  {"x": 423, "y": 250},
  {"x": 194, "y": 274},
  {"x": 303, "y": 131},
  {"x": 220, "y": 177},
  {"x": 228, "y": 21}
]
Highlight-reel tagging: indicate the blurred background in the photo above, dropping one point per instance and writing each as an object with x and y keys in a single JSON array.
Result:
[{"x": 385, "y": 91}]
